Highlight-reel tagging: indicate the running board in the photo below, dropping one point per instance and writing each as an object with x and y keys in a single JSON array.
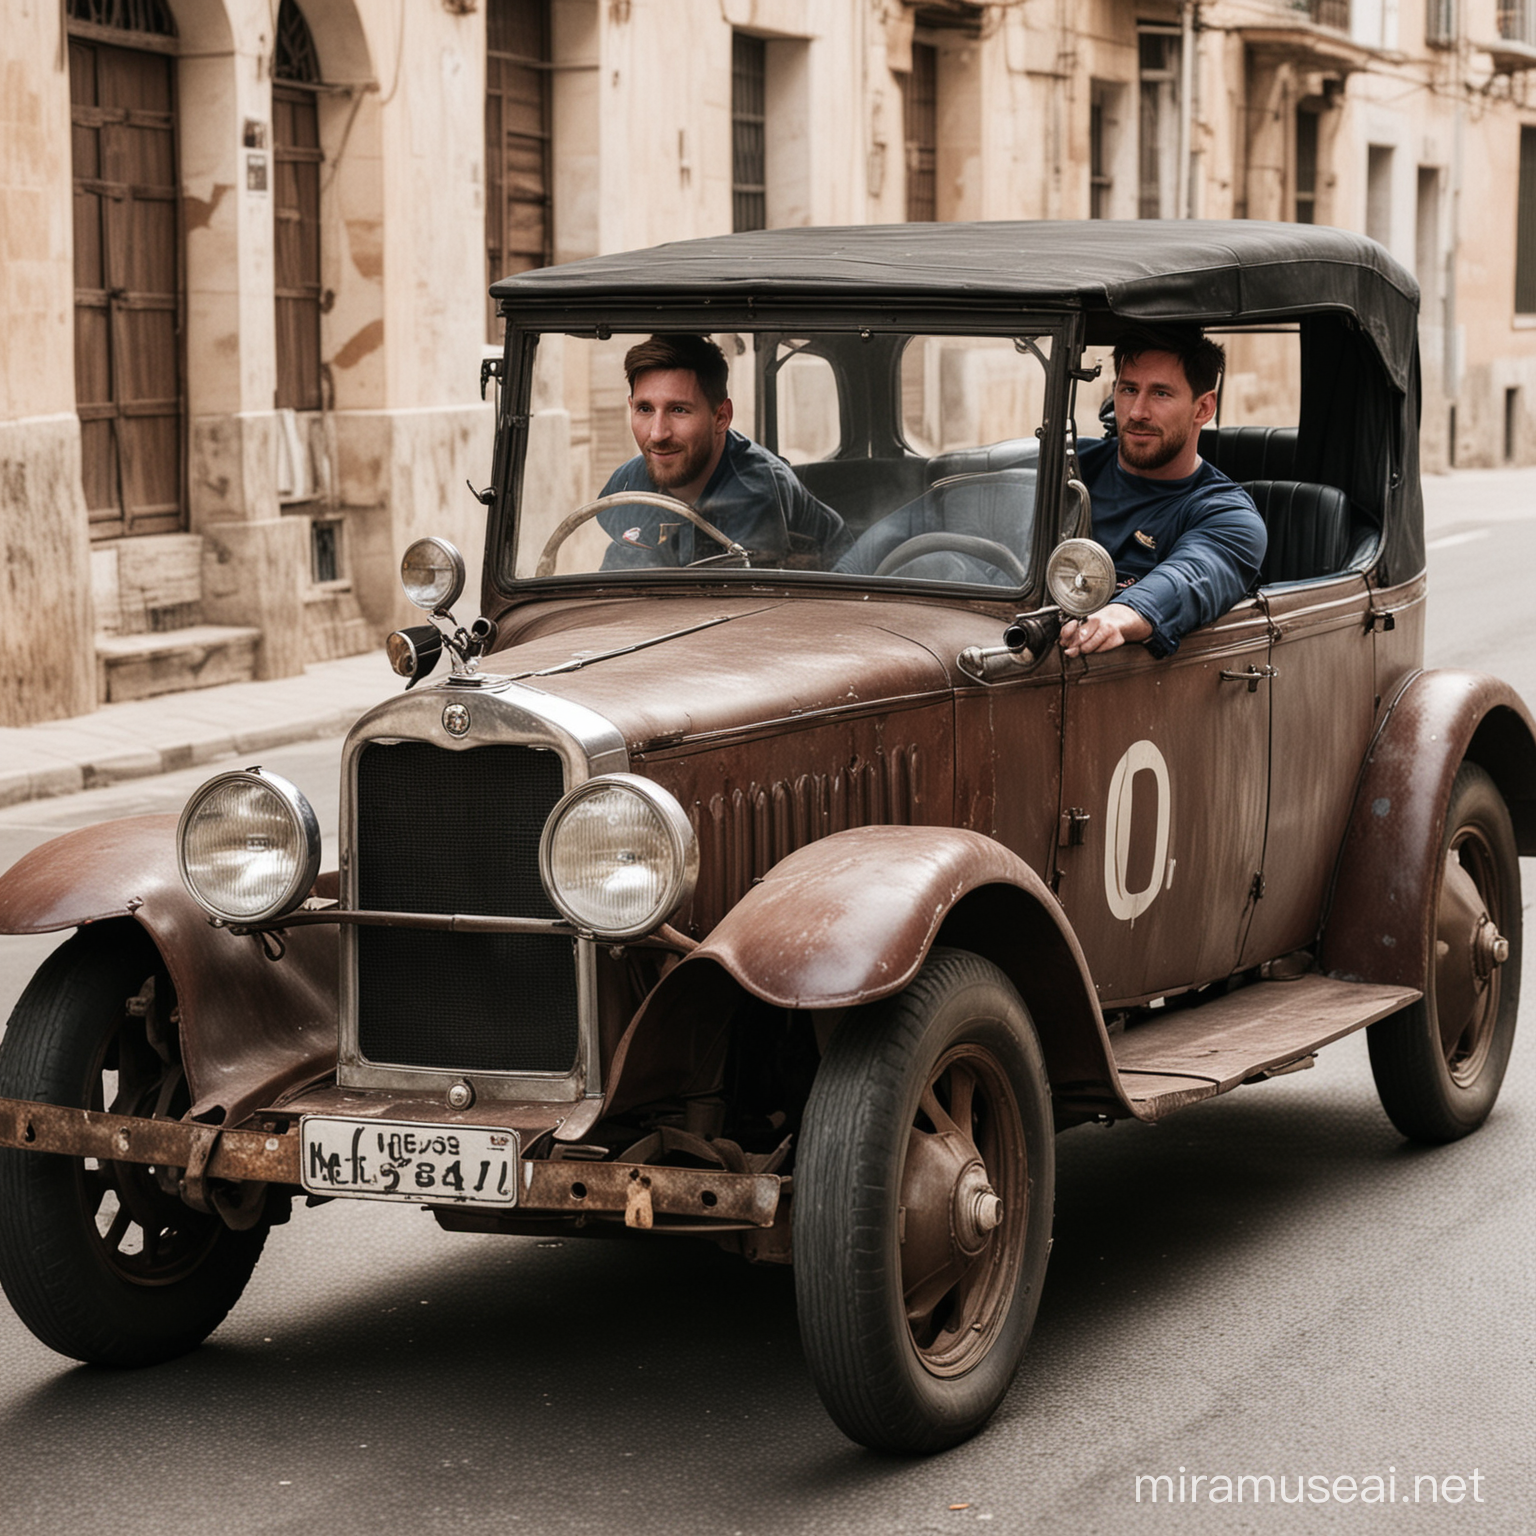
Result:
[{"x": 1257, "y": 1032}]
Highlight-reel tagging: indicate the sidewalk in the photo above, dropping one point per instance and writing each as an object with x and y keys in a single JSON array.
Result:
[{"x": 181, "y": 730}]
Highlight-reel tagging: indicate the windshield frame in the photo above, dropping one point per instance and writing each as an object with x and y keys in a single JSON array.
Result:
[{"x": 1064, "y": 327}]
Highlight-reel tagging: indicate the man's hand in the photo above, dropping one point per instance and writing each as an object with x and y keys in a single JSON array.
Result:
[{"x": 1117, "y": 624}]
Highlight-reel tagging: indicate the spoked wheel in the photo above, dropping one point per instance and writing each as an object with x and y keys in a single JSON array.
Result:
[
  {"x": 922, "y": 1213},
  {"x": 1439, "y": 1063},
  {"x": 102, "y": 1260}
]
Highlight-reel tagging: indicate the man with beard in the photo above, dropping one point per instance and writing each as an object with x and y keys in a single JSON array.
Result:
[
  {"x": 680, "y": 414},
  {"x": 1187, "y": 543}
]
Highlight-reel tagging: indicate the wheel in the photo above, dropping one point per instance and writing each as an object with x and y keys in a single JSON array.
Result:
[
  {"x": 922, "y": 1207},
  {"x": 585, "y": 514},
  {"x": 102, "y": 1260},
  {"x": 1439, "y": 1063}
]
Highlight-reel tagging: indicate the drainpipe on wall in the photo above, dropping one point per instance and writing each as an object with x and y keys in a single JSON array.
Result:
[
  {"x": 1451, "y": 352},
  {"x": 1186, "y": 102}
]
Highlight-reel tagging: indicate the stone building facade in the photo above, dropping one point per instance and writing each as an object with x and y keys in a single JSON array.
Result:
[{"x": 247, "y": 242}]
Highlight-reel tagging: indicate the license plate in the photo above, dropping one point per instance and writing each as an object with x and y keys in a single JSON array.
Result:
[{"x": 390, "y": 1160}]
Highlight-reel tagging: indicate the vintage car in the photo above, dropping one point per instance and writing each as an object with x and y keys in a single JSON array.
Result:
[{"x": 795, "y": 897}]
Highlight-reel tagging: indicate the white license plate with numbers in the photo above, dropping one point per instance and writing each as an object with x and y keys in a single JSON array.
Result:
[{"x": 388, "y": 1160}]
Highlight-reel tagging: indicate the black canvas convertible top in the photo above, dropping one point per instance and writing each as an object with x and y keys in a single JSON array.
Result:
[
  {"x": 1200, "y": 270},
  {"x": 1357, "y": 311}
]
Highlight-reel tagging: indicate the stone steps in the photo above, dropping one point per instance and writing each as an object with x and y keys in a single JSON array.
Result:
[{"x": 201, "y": 656}]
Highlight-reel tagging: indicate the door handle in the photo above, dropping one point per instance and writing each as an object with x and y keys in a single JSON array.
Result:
[{"x": 1253, "y": 677}]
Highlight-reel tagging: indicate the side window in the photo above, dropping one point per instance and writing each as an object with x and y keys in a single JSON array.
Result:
[
  {"x": 960, "y": 392},
  {"x": 808, "y": 410}
]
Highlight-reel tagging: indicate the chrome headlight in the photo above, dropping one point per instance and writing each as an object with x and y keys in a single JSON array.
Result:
[
  {"x": 1080, "y": 577},
  {"x": 248, "y": 846},
  {"x": 618, "y": 856}
]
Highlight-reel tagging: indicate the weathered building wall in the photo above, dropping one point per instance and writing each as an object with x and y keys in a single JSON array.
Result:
[{"x": 1054, "y": 109}]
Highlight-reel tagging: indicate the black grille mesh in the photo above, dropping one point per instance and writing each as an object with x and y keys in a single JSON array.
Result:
[{"x": 441, "y": 831}]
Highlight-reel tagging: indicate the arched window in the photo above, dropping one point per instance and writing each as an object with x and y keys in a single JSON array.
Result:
[
  {"x": 128, "y": 265},
  {"x": 296, "y": 210}
]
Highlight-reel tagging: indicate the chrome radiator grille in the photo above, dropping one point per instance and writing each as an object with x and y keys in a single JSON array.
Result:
[{"x": 443, "y": 831}]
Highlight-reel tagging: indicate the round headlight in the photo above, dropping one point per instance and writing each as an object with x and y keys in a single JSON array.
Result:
[
  {"x": 1080, "y": 576},
  {"x": 249, "y": 846},
  {"x": 618, "y": 856},
  {"x": 432, "y": 573}
]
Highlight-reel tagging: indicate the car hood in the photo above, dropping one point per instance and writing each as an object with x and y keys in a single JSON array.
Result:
[{"x": 692, "y": 669}]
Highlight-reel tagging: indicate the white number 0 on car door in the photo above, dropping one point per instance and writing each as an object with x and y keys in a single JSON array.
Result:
[{"x": 1140, "y": 756}]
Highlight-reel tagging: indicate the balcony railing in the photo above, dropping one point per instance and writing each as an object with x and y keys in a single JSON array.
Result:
[{"x": 1326, "y": 13}]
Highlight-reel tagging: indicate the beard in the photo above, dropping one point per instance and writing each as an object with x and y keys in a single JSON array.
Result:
[
  {"x": 1152, "y": 452},
  {"x": 677, "y": 469}
]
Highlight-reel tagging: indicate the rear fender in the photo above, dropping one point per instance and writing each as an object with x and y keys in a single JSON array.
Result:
[
  {"x": 250, "y": 1026},
  {"x": 1379, "y": 922},
  {"x": 850, "y": 919}
]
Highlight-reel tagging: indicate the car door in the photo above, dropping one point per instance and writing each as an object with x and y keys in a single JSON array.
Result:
[
  {"x": 1164, "y": 777},
  {"x": 1323, "y": 707}
]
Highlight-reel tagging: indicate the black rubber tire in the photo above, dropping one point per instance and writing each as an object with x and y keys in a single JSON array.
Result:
[
  {"x": 911, "y": 1388},
  {"x": 161, "y": 1276},
  {"x": 1435, "y": 1090}
]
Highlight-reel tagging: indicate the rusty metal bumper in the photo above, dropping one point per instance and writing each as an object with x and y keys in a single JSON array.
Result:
[{"x": 639, "y": 1193}]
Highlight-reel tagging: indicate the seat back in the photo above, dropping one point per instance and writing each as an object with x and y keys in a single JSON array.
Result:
[
  {"x": 1310, "y": 529},
  {"x": 862, "y": 489},
  {"x": 1014, "y": 453},
  {"x": 997, "y": 507},
  {"x": 1250, "y": 453}
]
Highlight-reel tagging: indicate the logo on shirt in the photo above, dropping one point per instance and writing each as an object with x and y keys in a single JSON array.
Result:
[{"x": 1145, "y": 540}]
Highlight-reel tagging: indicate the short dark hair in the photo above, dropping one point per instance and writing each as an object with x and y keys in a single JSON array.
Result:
[
  {"x": 698, "y": 354},
  {"x": 1203, "y": 360}
]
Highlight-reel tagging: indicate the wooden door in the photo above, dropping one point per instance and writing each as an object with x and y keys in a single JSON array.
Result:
[
  {"x": 128, "y": 287},
  {"x": 296, "y": 215}
]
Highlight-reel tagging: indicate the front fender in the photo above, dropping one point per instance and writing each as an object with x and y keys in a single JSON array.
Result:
[
  {"x": 1379, "y": 926},
  {"x": 250, "y": 1026},
  {"x": 850, "y": 919}
]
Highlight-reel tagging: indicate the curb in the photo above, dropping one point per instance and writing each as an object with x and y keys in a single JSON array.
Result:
[{"x": 182, "y": 730}]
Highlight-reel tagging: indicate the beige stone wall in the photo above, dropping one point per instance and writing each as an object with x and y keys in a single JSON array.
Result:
[{"x": 641, "y": 123}]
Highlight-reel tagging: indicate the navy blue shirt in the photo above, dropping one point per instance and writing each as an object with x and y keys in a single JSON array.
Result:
[
  {"x": 1184, "y": 550},
  {"x": 753, "y": 497}
]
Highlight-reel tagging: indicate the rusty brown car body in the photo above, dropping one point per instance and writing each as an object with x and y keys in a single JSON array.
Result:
[{"x": 937, "y": 893}]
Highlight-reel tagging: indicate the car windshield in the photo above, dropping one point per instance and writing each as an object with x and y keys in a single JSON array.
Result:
[{"x": 859, "y": 454}]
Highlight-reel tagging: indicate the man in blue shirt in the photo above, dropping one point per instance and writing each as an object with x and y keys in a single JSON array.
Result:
[
  {"x": 1187, "y": 543},
  {"x": 680, "y": 414}
]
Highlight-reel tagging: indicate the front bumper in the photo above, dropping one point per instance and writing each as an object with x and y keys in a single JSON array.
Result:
[{"x": 642, "y": 1195}]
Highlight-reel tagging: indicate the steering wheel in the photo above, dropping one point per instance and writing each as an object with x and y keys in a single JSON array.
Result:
[
  {"x": 988, "y": 550},
  {"x": 584, "y": 514}
]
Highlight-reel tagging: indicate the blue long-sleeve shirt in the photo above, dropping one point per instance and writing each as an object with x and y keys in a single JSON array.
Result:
[
  {"x": 1184, "y": 550},
  {"x": 752, "y": 497}
]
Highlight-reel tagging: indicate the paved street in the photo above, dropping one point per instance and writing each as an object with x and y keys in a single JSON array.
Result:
[{"x": 1273, "y": 1283}]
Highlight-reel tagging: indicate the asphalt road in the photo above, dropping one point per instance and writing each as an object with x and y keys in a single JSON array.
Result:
[{"x": 1270, "y": 1284}]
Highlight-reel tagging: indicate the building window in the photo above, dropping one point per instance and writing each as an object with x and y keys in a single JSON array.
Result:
[
  {"x": 1306, "y": 166},
  {"x": 1378, "y": 193},
  {"x": 920, "y": 117},
  {"x": 1525, "y": 227},
  {"x": 1159, "y": 181},
  {"x": 519, "y": 227},
  {"x": 296, "y": 160},
  {"x": 1440, "y": 23},
  {"x": 1329, "y": 13},
  {"x": 749, "y": 159},
  {"x": 128, "y": 265},
  {"x": 1427, "y": 260}
]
